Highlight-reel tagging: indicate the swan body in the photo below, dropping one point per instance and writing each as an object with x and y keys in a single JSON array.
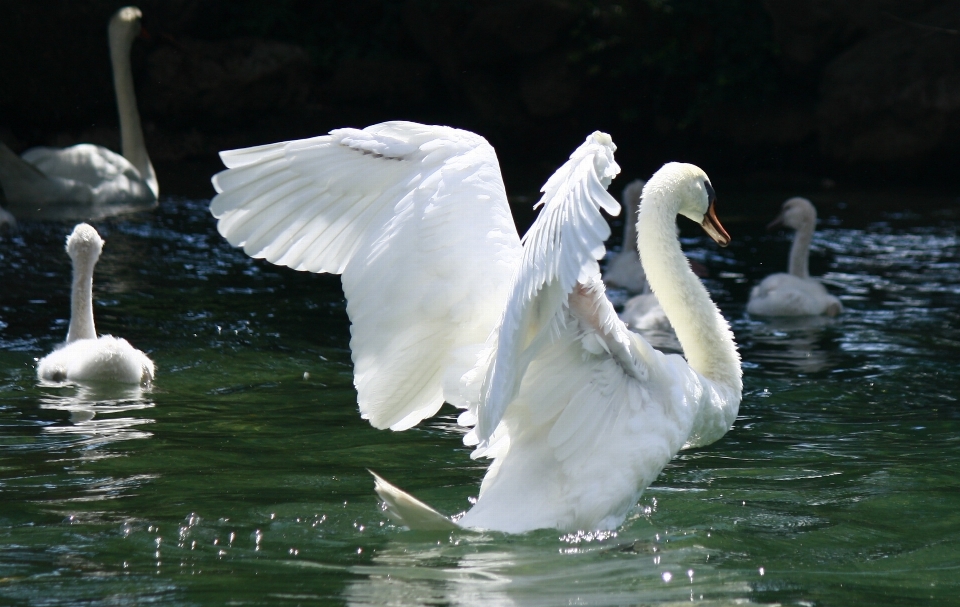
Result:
[
  {"x": 84, "y": 357},
  {"x": 87, "y": 179},
  {"x": 577, "y": 413},
  {"x": 795, "y": 293}
]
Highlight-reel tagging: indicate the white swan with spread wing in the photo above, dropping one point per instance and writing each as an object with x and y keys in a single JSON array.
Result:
[
  {"x": 88, "y": 180},
  {"x": 795, "y": 293},
  {"x": 578, "y": 413},
  {"x": 84, "y": 357}
]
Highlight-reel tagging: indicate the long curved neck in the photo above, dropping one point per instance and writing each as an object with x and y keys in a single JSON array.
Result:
[
  {"x": 800, "y": 251},
  {"x": 705, "y": 336},
  {"x": 81, "y": 301},
  {"x": 132, "y": 143}
]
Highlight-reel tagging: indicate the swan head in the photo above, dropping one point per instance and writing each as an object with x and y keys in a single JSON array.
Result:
[
  {"x": 796, "y": 213},
  {"x": 125, "y": 26},
  {"x": 691, "y": 191},
  {"x": 84, "y": 244}
]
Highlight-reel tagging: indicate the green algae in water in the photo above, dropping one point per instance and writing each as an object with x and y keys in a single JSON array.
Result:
[{"x": 240, "y": 476}]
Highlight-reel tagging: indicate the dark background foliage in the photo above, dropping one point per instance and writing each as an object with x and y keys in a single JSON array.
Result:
[{"x": 755, "y": 91}]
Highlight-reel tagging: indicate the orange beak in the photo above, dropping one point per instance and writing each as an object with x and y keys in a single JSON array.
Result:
[{"x": 711, "y": 225}]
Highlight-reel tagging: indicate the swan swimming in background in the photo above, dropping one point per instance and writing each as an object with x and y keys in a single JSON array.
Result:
[
  {"x": 88, "y": 180},
  {"x": 625, "y": 270},
  {"x": 577, "y": 413},
  {"x": 84, "y": 357},
  {"x": 794, "y": 293}
]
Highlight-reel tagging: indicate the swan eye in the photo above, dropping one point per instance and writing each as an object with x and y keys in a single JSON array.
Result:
[{"x": 711, "y": 194}]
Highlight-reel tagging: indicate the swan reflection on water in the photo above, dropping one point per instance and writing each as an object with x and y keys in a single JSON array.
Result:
[
  {"x": 92, "y": 410},
  {"x": 801, "y": 344},
  {"x": 462, "y": 573}
]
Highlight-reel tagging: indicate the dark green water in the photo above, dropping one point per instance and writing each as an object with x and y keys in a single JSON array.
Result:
[{"x": 240, "y": 477}]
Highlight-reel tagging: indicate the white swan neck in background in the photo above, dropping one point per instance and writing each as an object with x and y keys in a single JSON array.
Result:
[
  {"x": 631, "y": 201},
  {"x": 84, "y": 247},
  {"x": 123, "y": 29},
  {"x": 624, "y": 269},
  {"x": 703, "y": 333},
  {"x": 800, "y": 249}
]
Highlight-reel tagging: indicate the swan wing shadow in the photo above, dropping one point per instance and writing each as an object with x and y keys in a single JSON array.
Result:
[{"x": 415, "y": 219}]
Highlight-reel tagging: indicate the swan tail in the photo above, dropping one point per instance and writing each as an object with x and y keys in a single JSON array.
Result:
[{"x": 406, "y": 510}]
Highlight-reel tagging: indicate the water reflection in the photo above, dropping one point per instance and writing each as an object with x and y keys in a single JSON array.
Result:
[
  {"x": 803, "y": 344},
  {"x": 93, "y": 411},
  {"x": 479, "y": 571}
]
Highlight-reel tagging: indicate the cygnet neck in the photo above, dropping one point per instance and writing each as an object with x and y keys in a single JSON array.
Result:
[
  {"x": 704, "y": 334},
  {"x": 81, "y": 298},
  {"x": 800, "y": 250},
  {"x": 133, "y": 146}
]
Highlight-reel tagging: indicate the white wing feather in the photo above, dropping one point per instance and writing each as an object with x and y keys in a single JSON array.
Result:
[
  {"x": 416, "y": 220},
  {"x": 561, "y": 249}
]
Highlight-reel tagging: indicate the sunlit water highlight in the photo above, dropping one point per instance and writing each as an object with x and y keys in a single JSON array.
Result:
[{"x": 240, "y": 477}]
